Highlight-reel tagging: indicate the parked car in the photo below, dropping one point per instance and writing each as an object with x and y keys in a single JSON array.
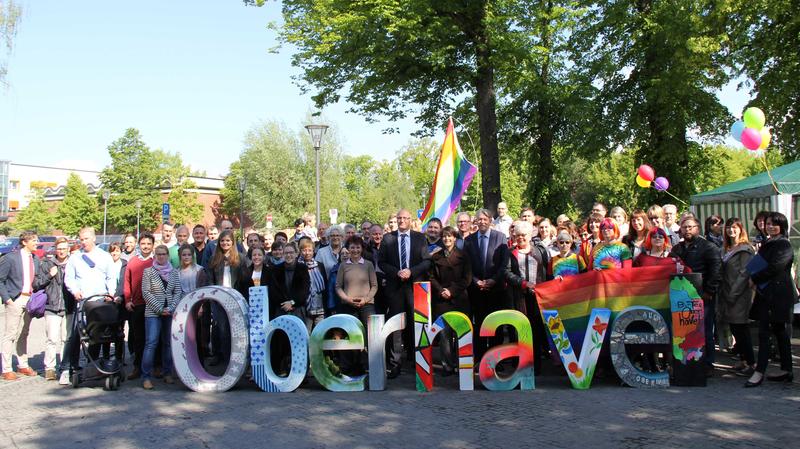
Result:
[
  {"x": 45, "y": 249},
  {"x": 8, "y": 244}
]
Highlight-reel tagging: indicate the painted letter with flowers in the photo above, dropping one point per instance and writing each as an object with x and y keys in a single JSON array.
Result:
[{"x": 580, "y": 370}]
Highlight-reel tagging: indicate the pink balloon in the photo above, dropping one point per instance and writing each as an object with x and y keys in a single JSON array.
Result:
[
  {"x": 647, "y": 173},
  {"x": 661, "y": 184},
  {"x": 751, "y": 138}
]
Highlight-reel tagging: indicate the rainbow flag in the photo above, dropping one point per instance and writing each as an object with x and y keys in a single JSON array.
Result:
[
  {"x": 453, "y": 175},
  {"x": 575, "y": 296}
]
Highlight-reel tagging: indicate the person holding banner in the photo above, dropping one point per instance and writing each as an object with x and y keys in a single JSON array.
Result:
[
  {"x": 657, "y": 252},
  {"x": 778, "y": 296},
  {"x": 525, "y": 268},
  {"x": 702, "y": 257}
]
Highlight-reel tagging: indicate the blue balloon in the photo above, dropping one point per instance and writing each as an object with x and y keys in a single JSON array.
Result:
[{"x": 736, "y": 130}]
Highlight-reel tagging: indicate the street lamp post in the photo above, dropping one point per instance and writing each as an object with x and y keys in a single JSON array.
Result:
[
  {"x": 106, "y": 195},
  {"x": 316, "y": 132},
  {"x": 242, "y": 186},
  {"x": 138, "y": 211}
]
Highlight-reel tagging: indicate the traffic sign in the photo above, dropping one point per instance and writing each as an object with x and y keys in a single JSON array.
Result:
[
  {"x": 165, "y": 212},
  {"x": 334, "y": 214}
]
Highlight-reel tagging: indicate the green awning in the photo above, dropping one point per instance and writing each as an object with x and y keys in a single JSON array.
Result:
[{"x": 787, "y": 179}]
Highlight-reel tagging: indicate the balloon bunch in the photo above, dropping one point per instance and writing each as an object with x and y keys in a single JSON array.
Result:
[
  {"x": 646, "y": 177},
  {"x": 750, "y": 131}
]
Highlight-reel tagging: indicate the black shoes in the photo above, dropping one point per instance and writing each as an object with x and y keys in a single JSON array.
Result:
[
  {"x": 785, "y": 377},
  {"x": 393, "y": 372},
  {"x": 749, "y": 384}
]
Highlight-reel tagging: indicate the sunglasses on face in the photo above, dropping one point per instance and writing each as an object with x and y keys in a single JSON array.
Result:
[{"x": 564, "y": 243}]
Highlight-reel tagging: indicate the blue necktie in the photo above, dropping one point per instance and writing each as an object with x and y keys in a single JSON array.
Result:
[
  {"x": 403, "y": 252},
  {"x": 483, "y": 249}
]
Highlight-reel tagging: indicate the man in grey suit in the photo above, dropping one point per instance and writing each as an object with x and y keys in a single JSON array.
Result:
[
  {"x": 403, "y": 257},
  {"x": 488, "y": 254}
]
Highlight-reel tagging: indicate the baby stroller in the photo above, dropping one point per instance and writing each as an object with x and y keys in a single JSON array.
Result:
[{"x": 97, "y": 323}]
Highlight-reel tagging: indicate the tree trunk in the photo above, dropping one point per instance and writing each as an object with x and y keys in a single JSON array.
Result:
[{"x": 487, "y": 118}]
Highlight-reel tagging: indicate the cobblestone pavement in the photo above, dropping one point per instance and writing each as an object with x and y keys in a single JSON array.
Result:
[{"x": 41, "y": 414}]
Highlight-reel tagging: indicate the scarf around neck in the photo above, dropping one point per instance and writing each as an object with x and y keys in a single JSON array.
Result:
[{"x": 163, "y": 270}]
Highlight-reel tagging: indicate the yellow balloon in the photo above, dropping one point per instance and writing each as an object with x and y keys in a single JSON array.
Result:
[
  {"x": 642, "y": 182},
  {"x": 765, "y": 138}
]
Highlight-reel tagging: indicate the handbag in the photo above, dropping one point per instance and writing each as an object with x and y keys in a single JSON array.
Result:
[{"x": 36, "y": 303}]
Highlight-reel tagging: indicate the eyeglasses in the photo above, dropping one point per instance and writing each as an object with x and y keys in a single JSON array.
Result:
[
  {"x": 657, "y": 236},
  {"x": 162, "y": 254},
  {"x": 564, "y": 243}
]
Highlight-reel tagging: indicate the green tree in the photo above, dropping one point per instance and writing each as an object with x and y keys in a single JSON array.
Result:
[
  {"x": 414, "y": 57},
  {"x": 78, "y": 209},
  {"x": 131, "y": 177},
  {"x": 10, "y": 14},
  {"x": 36, "y": 216},
  {"x": 278, "y": 183},
  {"x": 764, "y": 46},
  {"x": 184, "y": 205},
  {"x": 656, "y": 65}
]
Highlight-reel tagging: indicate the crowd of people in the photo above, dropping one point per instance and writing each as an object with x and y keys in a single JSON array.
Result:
[{"x": 480, "y": 265}]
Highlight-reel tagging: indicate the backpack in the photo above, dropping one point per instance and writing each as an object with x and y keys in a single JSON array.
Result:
[{"x": 36, "y": 303}]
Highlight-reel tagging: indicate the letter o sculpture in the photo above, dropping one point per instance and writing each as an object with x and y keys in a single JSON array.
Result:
[{"x": 184, "y": 343}]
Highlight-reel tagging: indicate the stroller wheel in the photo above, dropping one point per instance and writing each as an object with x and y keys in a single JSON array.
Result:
[
  {"x": 109, "y": 383},
  {"x": 117, "y": 382},
  {"x": 76, "y": 380}
]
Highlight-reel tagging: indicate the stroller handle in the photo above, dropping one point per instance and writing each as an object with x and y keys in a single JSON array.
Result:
[{"x": 95, "y": 298}]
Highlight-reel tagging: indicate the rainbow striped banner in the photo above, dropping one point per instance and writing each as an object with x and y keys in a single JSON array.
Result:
[
  {"x": 575, "y": 296},
  {"x": 454, "y": 173}
]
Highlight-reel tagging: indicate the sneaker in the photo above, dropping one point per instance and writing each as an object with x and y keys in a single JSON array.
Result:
[
  {"x": 49, "y": 374},
  {"x": 169, "y": 379},
  {"x": 10, "y": 376},
  {"x": 147, "y": 384},
  {"x": 64, "y": 378},
  {"x": 27, "y": 372}
]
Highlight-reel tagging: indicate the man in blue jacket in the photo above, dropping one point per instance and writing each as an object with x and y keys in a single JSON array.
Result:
[{"x": 17, "y": 273}]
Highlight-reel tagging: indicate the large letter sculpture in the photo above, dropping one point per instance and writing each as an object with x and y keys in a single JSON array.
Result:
[
  {"x": 425, "y": 334},
  {"x": 377, "y": 333},
  {"x": 184, "y": 343},
  {"x": 688, "y": 330},
  {"x": 579, "y": 370},
  {"x": 321, "y": 366},
  {"x": 261, "y": 332},
  {"x": 620, "y": 338},
  {"x": 522, "y": 349},
  {"x": 423, "y": 351}
]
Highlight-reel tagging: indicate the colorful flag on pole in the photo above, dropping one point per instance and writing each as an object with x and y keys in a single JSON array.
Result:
[
  {"x": 453, "y": 175},
  {"x": 575, "y": 296}
]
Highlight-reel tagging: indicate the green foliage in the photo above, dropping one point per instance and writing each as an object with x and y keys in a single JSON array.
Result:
[
  {"x": 137, "y": 173},
  {"x": 36, "y": 216},
  {"x": 765, "y": 42},
  {"x": 78, "y": 209}
]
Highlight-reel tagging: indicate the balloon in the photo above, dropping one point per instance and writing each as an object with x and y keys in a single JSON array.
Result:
[
  {"x": 661, "y": 184},
  {"x": 751, "y": 138},
  {"x": 736, "y": 130},
  {"x": 765, "y": 138},
  {"x": 646, "y": 172},
  {"x": 642, "y": 182},
  {"x": 754, "y": 118}
]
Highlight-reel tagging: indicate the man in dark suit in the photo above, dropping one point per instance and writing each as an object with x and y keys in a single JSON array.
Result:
[
  {"x": 17, "y": 273},
  {"x": 404, "y": 259},
  {"x": 488, "y": 254}
]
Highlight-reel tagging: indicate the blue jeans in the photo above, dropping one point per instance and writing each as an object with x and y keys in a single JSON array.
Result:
[{"x": 155, "y": 328}]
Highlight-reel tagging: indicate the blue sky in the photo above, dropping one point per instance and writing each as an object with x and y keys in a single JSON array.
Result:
[{"x": 191, "y": 76}]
